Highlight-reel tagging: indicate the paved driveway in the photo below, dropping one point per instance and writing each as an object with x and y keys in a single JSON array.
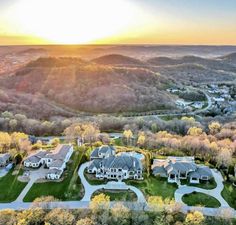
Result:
[
  {"x": 33, "y": 176},
  {"x": 216, "y": 192},
  {"x": 112, "y": 185}
]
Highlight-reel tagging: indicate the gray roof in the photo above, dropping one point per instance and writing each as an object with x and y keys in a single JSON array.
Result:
[
  {"x": 159, "y": 170},
  {"x": 180, "y": 166},
  {"x": 194, "y": 174},
  {"x": 36, "y": 157},
  {"x": 104, "y": 149},
  {"x": 173, "y": 166},
  {"x": 204, "y": 171},
  {"x": 94, "y": 164},
  {"x": 57, "y": 163},
  {"x": 60, "y": 152},
  {"x": 125, "y": 162}
]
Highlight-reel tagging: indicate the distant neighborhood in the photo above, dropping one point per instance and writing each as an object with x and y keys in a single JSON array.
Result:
[{"x": 219, "y": 98}]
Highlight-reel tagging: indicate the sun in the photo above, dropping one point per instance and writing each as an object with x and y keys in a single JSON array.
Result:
[{"x": 73, "y": 21}]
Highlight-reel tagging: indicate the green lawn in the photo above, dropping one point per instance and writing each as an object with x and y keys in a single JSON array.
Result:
[
  {"x": 10, "y": 187},
  {"x": 200, "y": 199},
  {"x": 118, "y": 195},
  {"x": 93, "y": 180},
  {"x": 229, "y": 194},
  {"x": 155, "y": 186},
  {"x": 211, "y": 184},
  {"x": 69, "y": 189}
]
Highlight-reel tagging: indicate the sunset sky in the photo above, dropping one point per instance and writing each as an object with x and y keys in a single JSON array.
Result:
[{"x": 118, "y": 22}]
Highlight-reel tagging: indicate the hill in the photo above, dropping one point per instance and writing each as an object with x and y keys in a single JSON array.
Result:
[
  {"x": 208, "y": 63},
  {"x": 89, "y": 87},
  {"x": 116, "y": 59},
  {"x": 230, "y": 58}
]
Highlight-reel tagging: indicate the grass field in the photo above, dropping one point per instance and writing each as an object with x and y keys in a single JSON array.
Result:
[
  {"x": 155, "y": 186},
  {"x": 10, "y": 187},
  {"x": 118, "y": 195},
  {"x": 229, "y": 194},
  {"x": 200, "y": 199},
  {"x": 69, "y": 189},
  {"x": 211, "y": 184}
]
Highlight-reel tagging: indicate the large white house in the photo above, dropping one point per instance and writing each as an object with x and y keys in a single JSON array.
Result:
[
  {"x": 105, "y": 164},
  {"x": 55, "y": 161},
  {"x": 179, "y": 168}
]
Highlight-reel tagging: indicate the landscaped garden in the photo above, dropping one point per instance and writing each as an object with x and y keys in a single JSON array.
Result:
[
  {"x": 118, "y": 195},
  {"x": 10, "y": 187},
  {"x": 68, "y": 189},
  {"x": 229, "y": 194},
  {"x": 200, "y": 199},
  {"x": 155, "y": 186}
]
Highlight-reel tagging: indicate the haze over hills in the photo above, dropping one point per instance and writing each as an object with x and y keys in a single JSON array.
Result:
[{"x": 116, "y": 59}]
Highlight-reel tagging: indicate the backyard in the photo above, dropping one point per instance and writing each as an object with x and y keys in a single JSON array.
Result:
[
  {"x": 10, "y": 187},
  {"x": 68, "y": 189},
  {"x": 200, "y": 199},
  {"x": 155, "y": 186}
]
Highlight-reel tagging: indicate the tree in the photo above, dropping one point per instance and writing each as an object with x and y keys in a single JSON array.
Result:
[
  {"x": 18, "y": 158},
  {"x": 25, "y": 145},
  {"x": 195, "y": 131},
  {"x": 8, "y": 217},
  {"x": 190, "y": 120},
  {"x": 141, "y": 139},
  {"x": 194, "y": 218},
  {"x": 100, "y": 208},
  {"x": 88, "y": 132},
  {"x": 85, "y": 221},
  {"x": 44, "y": 202},
  {"x": 214, "y": 127},
  {"x": 60, "y": 217},
  {"x": 128, "y": 134},
  {"x": 224, "y": 157},
  {"x": 55, "y": 141},
  {"x": 17, "y": 138},
  {"x": 31, "y": 216},
  {"x": 5, "y": 141},
  {"x": 120, "y": 215},
  {"x": 100, "y": 201}
]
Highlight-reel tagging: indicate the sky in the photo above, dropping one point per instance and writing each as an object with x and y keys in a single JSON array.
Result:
[{"x": 179, "y": 22}]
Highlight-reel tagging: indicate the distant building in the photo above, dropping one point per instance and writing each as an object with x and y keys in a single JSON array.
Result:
[
  {"x": 178, "y": 168},
  {"x": 218, "y": 99},
  {"x": 198, "y": 105}
]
